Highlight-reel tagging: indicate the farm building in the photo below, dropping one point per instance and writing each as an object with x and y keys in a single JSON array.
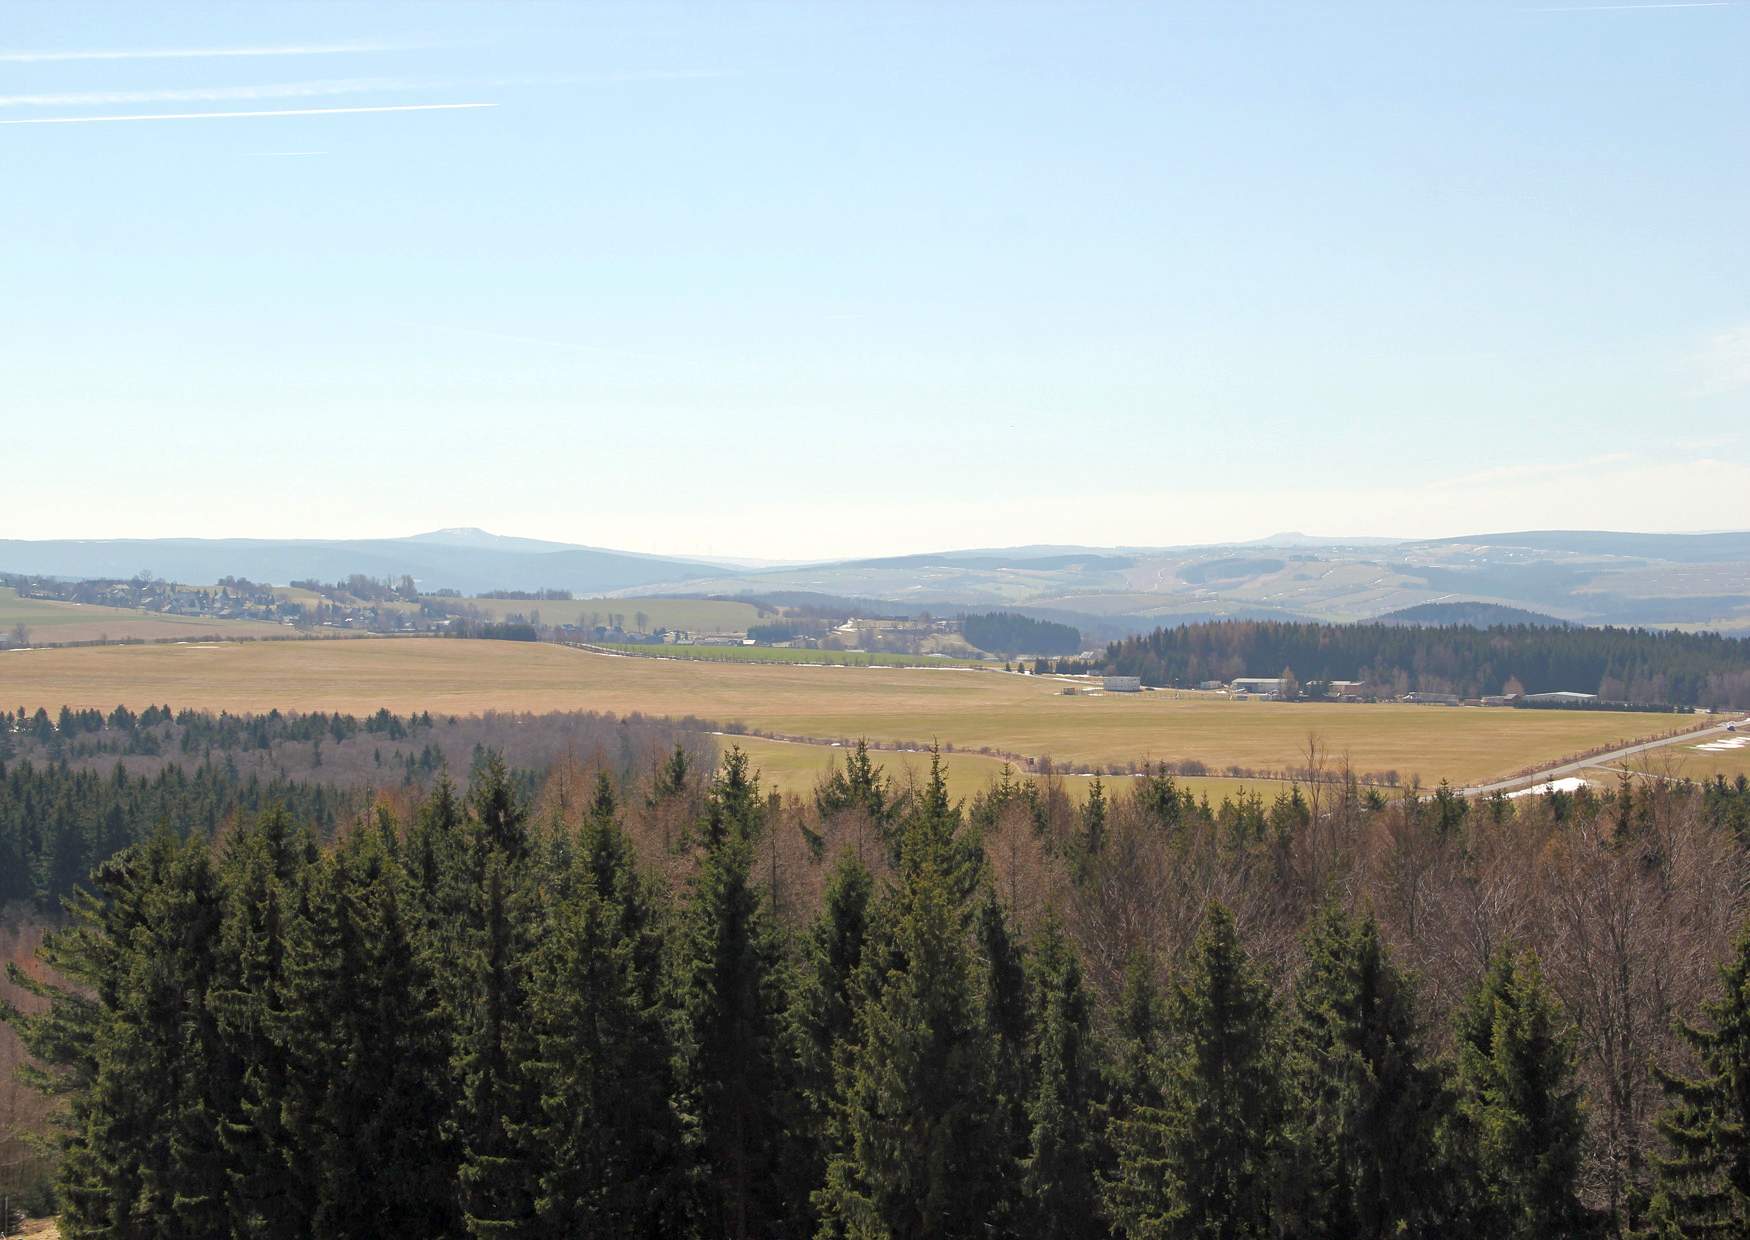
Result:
[
  {"x": 1121, "y": 684},
  {"x": 1560, "y": 697},
  {"x": 1256, "y": 684}
]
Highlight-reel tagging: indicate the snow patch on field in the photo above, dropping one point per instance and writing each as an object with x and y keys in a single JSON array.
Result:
[{"x": 1726, "y": 744}]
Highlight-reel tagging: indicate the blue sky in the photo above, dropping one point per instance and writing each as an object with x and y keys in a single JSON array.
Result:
[{"x": 835, "y": 279}]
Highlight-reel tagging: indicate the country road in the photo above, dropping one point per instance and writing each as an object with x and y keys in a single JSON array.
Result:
[{"x": 1600, "y": 759}]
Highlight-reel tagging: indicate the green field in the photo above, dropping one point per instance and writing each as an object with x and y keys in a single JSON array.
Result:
[
  {"x": 773, "y": 654},
  {"x": 1025, "y": 715},
  {"x": 51, "y": 621},
  {"x": 695, "y": 615}
]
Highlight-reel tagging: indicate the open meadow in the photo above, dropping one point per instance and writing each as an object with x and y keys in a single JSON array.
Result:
[
  {"x": 969, "y": 710},
  {"x": 778, "y": 654},
  {"x": 794, "y": 767},
  {"x": 52, "y": 622}
]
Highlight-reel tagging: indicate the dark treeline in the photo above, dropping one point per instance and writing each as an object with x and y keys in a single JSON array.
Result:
[
  {"x": 78, "y": 786},
  {"x": 1633, "y": 665},
  {"x": 1006, "y": 633},
  {"x": 678, "y": 1005},
  {"x": 58, "y": 822}
]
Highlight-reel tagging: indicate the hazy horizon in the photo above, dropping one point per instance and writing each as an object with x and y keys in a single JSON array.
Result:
[{"x": 820, "y": 283}]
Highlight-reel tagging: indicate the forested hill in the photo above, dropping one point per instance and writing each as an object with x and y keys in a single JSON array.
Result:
[
  {"x": 1634, "y": 665},
  {"x": 1472, "y": 614},
  {"x": 1006, "y": 633}
]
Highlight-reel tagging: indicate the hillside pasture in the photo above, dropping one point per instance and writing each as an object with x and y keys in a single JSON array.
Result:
[
  {"x": 52, "y": 622},
  {"x": 965, "y": 709}
]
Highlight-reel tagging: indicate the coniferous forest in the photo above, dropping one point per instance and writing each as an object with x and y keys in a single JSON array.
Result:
[
  {"x": 1633, "y": 665},
  {"x": 676, "y": 1004}
]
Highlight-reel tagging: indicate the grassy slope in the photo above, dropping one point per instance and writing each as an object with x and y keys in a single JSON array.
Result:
[
  {"x": 51, "y": 621},
  {"x": 969, "y": 708}
]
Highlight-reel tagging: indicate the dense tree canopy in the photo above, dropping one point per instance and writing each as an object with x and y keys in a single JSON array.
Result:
[
  {"x": 1006, "y": 633},
  {"x": 1635, "y": 665},
  {"x": 675, "y": 1004}
]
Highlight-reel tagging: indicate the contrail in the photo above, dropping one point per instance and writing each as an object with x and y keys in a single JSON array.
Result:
[
  {"x": 220, "y": 94},
  {"x": 222, "y": 116},
  {"x": 25, "y": 56},
  {"x": 332, "y": 86}
]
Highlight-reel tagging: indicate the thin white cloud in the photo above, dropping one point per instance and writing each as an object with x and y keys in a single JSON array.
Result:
[
  {"x": 1534, "y": 470},
  {"x": 47, "y": 55},
  {"x": 225, "y": 116},
  {"x": 1723, "y": 362},
  {"x": 217, "y": 94}
]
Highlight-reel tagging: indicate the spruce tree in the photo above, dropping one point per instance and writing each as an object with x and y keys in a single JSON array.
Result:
[
  {"x": 1204, "y": 1163},
  {"x": 1059, "y": 1177},
  {"x": 923, "y": 1145},
  {"x": 1519, "y": 1124},
  {"x": 370, "y": 1088},
  {"x": 822, "y": 1012},
  {"x": 79, "y": 1035},
  {"x": 1704, "y": 1182},
  {"x": 137, "y": 1044},
  {"x": 1093, "y": 815},
  {"x": 1366, "y": 1105},
  {"x": 1133, "y": 1077},
  {"x": 731, "y": 980},
  {"x": 1004, "y": 989},
  {"x": 496, "y": 1180},
  {"x": 862, "y": 787},
  {"x": 606, "y": 1143},
  {"x": 264, "y": 872}
]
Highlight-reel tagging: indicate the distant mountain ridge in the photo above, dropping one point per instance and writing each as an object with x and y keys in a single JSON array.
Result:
[
  {"x": 471, "y": 561},
  {"x": 1586, "y": 577}
]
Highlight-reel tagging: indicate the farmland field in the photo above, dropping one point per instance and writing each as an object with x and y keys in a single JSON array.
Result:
[
  {"x": 774, "y": 654},
  {"x": 971, "y": 709},
  {"x": 1728, "y": 756},
  {"x": 51, "y": 621},
  {"x": 793, "y": 767}
]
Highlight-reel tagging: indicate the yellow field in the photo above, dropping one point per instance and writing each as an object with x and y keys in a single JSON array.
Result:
[
  {"x": 794, "y": 767},
  {"x": 973, "y": 709},
  {"x": 51, "y": 621},
  {"x": 1686, "y": 760}
]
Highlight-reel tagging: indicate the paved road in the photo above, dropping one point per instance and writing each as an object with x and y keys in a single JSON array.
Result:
[{"x": 1602, "y": 759}]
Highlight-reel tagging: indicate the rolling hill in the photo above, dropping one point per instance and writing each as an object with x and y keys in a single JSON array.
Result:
[
  {"x": 468, "y": 560},
  {"x": 1695, "y": 581}
]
